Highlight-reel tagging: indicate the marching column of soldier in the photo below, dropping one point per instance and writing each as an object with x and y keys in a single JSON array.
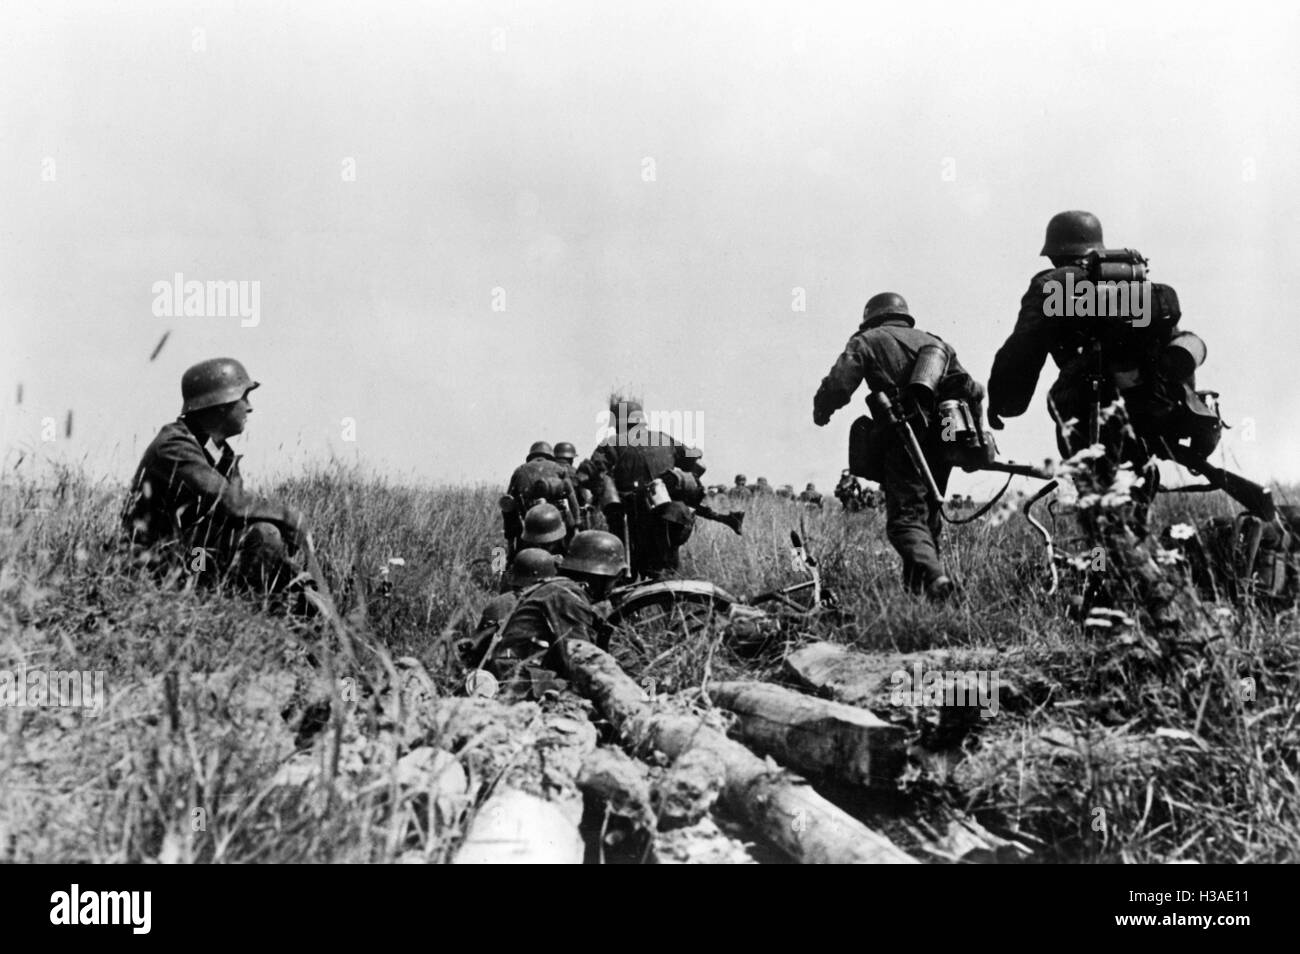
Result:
[{"x": 1124, "y": 396}]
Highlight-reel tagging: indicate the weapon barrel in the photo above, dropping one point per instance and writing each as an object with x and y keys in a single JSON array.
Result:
[{"x": 1011, "y": 467}]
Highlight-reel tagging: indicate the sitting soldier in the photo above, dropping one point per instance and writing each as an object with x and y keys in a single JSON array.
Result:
[{"x": 187, "y": 509}]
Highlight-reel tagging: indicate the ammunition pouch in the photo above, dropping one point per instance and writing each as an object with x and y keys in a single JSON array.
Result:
[{"x": 867, "y": 441}]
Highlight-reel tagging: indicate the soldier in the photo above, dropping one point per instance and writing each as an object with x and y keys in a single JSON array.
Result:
[
  {"x": 1147, "y": 360},
  {"x": 849, "y": 492},
  {"x": 540, "y": 479},
  {"x": 811, "y": 497},
  {"x": 565, "y": 453},
  {"x": 544, "y": 529},
  {"x": 786, "y": 491},
  {"x": 740, "y": 489},
  {"x": 185, "y": 506},
  {"x": 561, "y": 608},
  {"x": 529, "y": 566},
  {"x": 883, "y": 352},
  {"x": 762, "y": 488},
  {"x": 632, "y": 457}
]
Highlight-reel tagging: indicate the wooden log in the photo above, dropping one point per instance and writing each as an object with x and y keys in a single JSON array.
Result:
[
  {"x": 814, "y": 736},
  {"x": 686, "y": 791},
  {"x": 779, "y": 805},
  {"x": 516, "y": 828},
  {"x": 620, "y": 784}
]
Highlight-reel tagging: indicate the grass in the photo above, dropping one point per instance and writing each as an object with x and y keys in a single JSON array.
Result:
[{"x": 1116, "y": 746}]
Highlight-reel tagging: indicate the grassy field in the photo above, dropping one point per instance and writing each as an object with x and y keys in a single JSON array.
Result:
[{"x": 1108, "y": 746}]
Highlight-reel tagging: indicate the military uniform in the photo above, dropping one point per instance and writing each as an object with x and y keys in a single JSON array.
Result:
[
  {"x": 544, "y": 616},
  {"x": 525, "y": 482},
  {"x": 182, "y": 500},
  {"x": 882, "y": 353},
  {"x": 633, "y": 459}
]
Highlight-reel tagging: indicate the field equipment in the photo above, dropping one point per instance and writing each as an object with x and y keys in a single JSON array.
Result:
[
  {"x": 748, "y": 624},
  {"x": 685, "y": 487},
  {"x": 214, "y": 382},
  {"x": 1115, "y": 265}
]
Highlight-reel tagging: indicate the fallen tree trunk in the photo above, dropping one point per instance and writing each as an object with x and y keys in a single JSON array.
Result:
[
  {"x": 780, "y": 806},
  {"x": 813, "y": 735}
]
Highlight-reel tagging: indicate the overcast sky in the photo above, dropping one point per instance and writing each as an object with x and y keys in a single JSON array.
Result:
[{"x": 469, "y": 220}]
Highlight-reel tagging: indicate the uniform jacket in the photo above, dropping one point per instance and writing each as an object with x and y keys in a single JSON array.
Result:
[
  {"x": 883, "y": 356},
  {"x": 1129, "y": 351},
  {"x": 180, "y": 491},
  {"x": 548, "y": 612},
  {"x": 539, "y": 468},
  {"x": 639, "y": 455}
]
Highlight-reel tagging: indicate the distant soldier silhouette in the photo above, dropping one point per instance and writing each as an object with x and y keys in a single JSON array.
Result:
[
  {"x": 883, "y": 353},
  {"x": 187, "y": 506},
  {"x": 762, "y": 488},
  {"x": 740, "y": 490},
  {"x": 811, "y": 496}
]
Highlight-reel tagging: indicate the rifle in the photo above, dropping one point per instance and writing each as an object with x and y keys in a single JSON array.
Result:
[{"x": 1254, "y": 497}]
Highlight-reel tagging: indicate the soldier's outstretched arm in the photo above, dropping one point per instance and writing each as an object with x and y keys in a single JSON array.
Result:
[
  {"x": 838, "y": 386},
  {"x": 1020, "y": 360}
]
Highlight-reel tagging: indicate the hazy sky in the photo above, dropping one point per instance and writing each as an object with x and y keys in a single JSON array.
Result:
[{"x": 643, "y": 187}]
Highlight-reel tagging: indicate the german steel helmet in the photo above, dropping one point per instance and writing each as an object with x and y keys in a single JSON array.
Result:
[
  {"x": 565, "y": 451},
  {"x": 885, "y": 304},
  {"x": 529, "y": 566},
  {"x": 1072, "y": 235},
  {"x": 541, "y": 449},
  {"x": 543, "y": 524},
  {"x": 596, "y": 552},
  {"x": 213, "y": 382}
]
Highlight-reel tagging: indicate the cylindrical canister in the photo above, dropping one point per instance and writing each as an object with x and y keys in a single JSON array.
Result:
[{"x": 657, "y": 491}]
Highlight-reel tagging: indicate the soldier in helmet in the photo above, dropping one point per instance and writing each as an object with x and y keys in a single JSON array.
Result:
[
  {"x": 811, "y": 496},
  {"x": 740, "y": 490},
  {"x": 1148, "y": 360},
  {"x": 544, "y": 529},
  {"x": 849, "y": 492},
  {"x": 566, "y": 454},
  {"x": 883, "y": 353},
  {"x": 529, "y": 566},
  {"x": 188, "y": 504},
  {"x": 540, "y": 479},
  {"x": 561, "y": 608},
  {"x": 632, "y": 458},
  {"x": 762, "y": 488}
]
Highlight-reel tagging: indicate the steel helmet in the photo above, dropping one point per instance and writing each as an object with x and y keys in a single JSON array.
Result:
[
  {"x": 543, "y": 524},
  {"x": 597, "y": 553},
  {"x": 741, "y": 479},
  {"x": 626, "y": 409},
  {"x": 1072, "y": 235},
  {"x": 529, "y": 566},
  {"x": 541, "y": 449},
  {"x": 565, "y": 451},
  {"x": 885, "y": 304},
  {"x": 212, "y": 382},
  {"x": 810, "y": 487}
]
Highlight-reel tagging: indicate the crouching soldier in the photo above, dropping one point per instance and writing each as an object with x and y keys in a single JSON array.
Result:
[
  {"x": 885, "y": 352},
  {"x": 188, "y": 508},
  {"x": 529, "y": 566},
  {"x": 558, "y": 609}
]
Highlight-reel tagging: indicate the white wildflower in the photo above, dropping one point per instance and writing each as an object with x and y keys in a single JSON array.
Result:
[{"x": 1182, "y": 531}]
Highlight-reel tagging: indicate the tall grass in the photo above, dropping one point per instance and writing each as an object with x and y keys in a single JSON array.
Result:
[{"x": 212, "y": 746}]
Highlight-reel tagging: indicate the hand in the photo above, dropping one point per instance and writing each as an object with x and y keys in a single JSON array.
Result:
[
  {"x": 995, "y": 422},
  {"x": 820, "y": 417}
]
